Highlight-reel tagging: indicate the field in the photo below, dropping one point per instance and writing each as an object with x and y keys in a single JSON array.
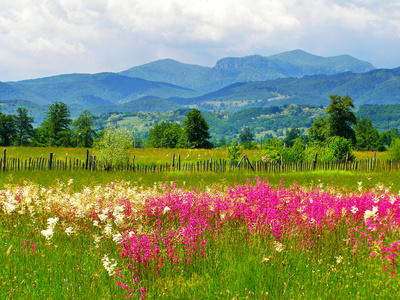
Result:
[{"x": 181, "y": 235}]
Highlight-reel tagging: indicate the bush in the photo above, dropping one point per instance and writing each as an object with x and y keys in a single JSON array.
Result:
[
  {"x": 394, "y": 150},
  {"x": 112, "y": 147},
  {"x": 339, "y": 147},
  {"x": 234, "y": 151}
]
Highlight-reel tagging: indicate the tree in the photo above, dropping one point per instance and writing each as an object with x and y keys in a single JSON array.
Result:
[
  {"x": 166, "y": 135},
  {"x": 319, "y": 130},
  {"x": 56, "y": 126},
  {"x": 341, "y": 118},
  {"x": 367, "y": 136},
  {"x": 7, "y": 129},
  {"x": 234, "y": 151},
  {"x": 246, "y": 135},
  {"x": 339, "y": 148},
  {"x": 394, "y": 150},
  {"x": 83, "y": 129},
  {"x": 112, "y": 147},
  {"x": 23, "y": 125},
  {"x": 390, "y": 135},
  {"x": 196, "y": 130},
  {"x": 291, "y": 136}
]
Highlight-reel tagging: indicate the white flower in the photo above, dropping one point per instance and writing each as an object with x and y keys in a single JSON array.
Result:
[
  {"x": 339, "y": 259},
  {"x": 166, "y": 209},
  {"x": 117, "y": 237},
  {"x": 48, "y": 233},
  {"x": 354, "y": 209},
  {"x": 102, "y": 217},
  {"x": 52, "y": 222},
  {"x": 108, "y": 229},
  {"x": 278, "y": 246},
  {"x": 370, "y": 213},
  {"x": 9, "y": 207},
  {"x": 109, "y": 265},
  {"x": 96, "y": 223},
  {"x": 69, "y": 230},
  {"x": 70, "y": 181}
]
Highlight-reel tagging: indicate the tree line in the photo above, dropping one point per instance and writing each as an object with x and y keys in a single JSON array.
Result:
[{"x": 54, "y": 131}]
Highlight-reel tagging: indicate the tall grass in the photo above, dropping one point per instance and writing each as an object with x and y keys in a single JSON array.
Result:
[{"x": 254, "y": 240}]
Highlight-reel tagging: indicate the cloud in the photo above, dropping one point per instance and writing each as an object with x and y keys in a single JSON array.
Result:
[{"x": 48, "y": 37}]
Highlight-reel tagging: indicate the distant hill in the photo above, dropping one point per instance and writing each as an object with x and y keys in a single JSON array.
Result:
[
  {"x": 88, "y": 90},
  {"x": 380, "y": 86},
  {"x": 230, "y": 70}
]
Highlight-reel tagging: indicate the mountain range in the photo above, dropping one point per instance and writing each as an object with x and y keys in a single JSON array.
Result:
[{"x": 233, "y": 84}]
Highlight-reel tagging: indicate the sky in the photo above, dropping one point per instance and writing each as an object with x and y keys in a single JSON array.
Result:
[{"x": 41, "y": 38}]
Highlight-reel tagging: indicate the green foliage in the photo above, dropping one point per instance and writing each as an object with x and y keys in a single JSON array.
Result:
[
  {"x": 272, "y": 150},
  {"x": 196, "y": 130},
  {"x": 296, "y": 152},
  {"x": 166, "y": 135},
  {"x": 7, "y": 129},
  {"x": 341, "y": 118},
  {"x": 56, "y": 127},
  {"x": 319, "y": 131},
  {"x": 291, "y": 136},
  {"x": 112, "y": 147},
  {"x": 246, "y": 135},
  {"x": 394, "y": 150},
  {"x": 23, "y": 125},
  {"x": 84, "y": 134},
  {"x": 389, "y": 136},
  {"x": 234, "y": 151},
  {"x": 338, "y": 149},
  {"x": 367, "y": 136}
]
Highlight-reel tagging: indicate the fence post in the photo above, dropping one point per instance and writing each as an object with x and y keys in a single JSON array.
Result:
[
  {"x": 133, "y": 163},
  {"x": 4, "y": 159},
  {"x": 50, "y": 160},
  {"x": 87, "y": 159},
  {"x": 179, "y": 162},
  {"x": 173, "y": 160},
  {"x": 373, "y": 168},
  {"x": 314, "y": 165}
]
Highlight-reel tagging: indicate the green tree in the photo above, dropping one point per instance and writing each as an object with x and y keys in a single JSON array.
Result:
[
  {"x": 246, "y": 135},
  {"x": 394, "y": 150},
  {"x": 291, "y": 136},
  {"x": 84, "y": 134},
  {"x": 367, "y": 136},
  {"x": 196, "y": 130},
  {"x": 390, "y": 135},
  {"x": 7, "y": 129},
  {"x": 23, "y": 125},
  {"x": 319, "y": 130},
  {"x": 166, "y": 135},
  {"x": 112, "y": 147},
  {"x": 341, "y": 118},
  {"x": 339, "y": 148},
  {"x": 234, "y": 151},
  {"x": 272, "y": 150},
  {"x": 56, "y": 126},
  {"x": 296, "y": 152}
]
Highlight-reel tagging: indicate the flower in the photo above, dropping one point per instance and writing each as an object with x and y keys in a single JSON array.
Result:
[
  {"x": 278, "y": 246},
  {"x": 370, "y": 213},
  {"x": 69, "y": 230},
  {"x": 166, "y": 209},
  {"x": 339, "y": 259}
]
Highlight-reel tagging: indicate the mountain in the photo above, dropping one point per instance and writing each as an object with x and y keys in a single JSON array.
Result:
[
  {"x": 380, "y": 86},
  {"x": 147, "y": 104},
  {"x": 86, "y": 90},
  {"x": 230, "y": 70}
]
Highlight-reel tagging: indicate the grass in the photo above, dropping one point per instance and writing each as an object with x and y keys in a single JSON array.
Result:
[{"x": 205, "y": 240}]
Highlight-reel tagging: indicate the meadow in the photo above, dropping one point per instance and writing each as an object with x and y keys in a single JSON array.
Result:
[{"x": 181, "y": 235}]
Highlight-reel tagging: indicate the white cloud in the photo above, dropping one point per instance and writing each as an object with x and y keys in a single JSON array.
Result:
[{"x": 57, "y": 36}]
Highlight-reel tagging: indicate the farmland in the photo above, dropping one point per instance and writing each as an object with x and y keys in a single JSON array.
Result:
[{"x": 206, "y": 235}]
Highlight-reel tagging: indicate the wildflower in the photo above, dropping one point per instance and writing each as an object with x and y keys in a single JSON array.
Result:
[
  {"x": 117, "y": 237},
  {"x": 166, "y": 209},
  {"x": 108, "y": 229},
  {"x": 339, "y": 259},
  {"x": 52, "y": 222},
  {"x": 48, "y": 234},
  {"x": 69, "y": 230},
  {"x": 359, "y": 186},
  {"x": 70, "y": 181},
  {"x": 278, "y": 246},
  {"x": 354, "y": 210},
  {"x": 109, "y": 265},
  {"x": 96, "y": 223},
  {"x": 265, "y": 259},
  {"x": 370, "y": 213},
  {"x": 9, "y": 207}
]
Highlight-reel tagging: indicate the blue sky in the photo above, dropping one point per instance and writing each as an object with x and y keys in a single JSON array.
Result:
[{"x": 48, "y": 37}]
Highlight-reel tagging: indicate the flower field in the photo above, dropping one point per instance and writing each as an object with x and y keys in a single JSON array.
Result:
[{"x": 252, "y": 240}]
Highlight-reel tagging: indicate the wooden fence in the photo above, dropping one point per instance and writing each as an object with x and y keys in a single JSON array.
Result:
[{"x": 216, "y": 165}]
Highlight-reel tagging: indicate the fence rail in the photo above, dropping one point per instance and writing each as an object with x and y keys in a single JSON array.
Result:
[{"x": 216, "y": 165}]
